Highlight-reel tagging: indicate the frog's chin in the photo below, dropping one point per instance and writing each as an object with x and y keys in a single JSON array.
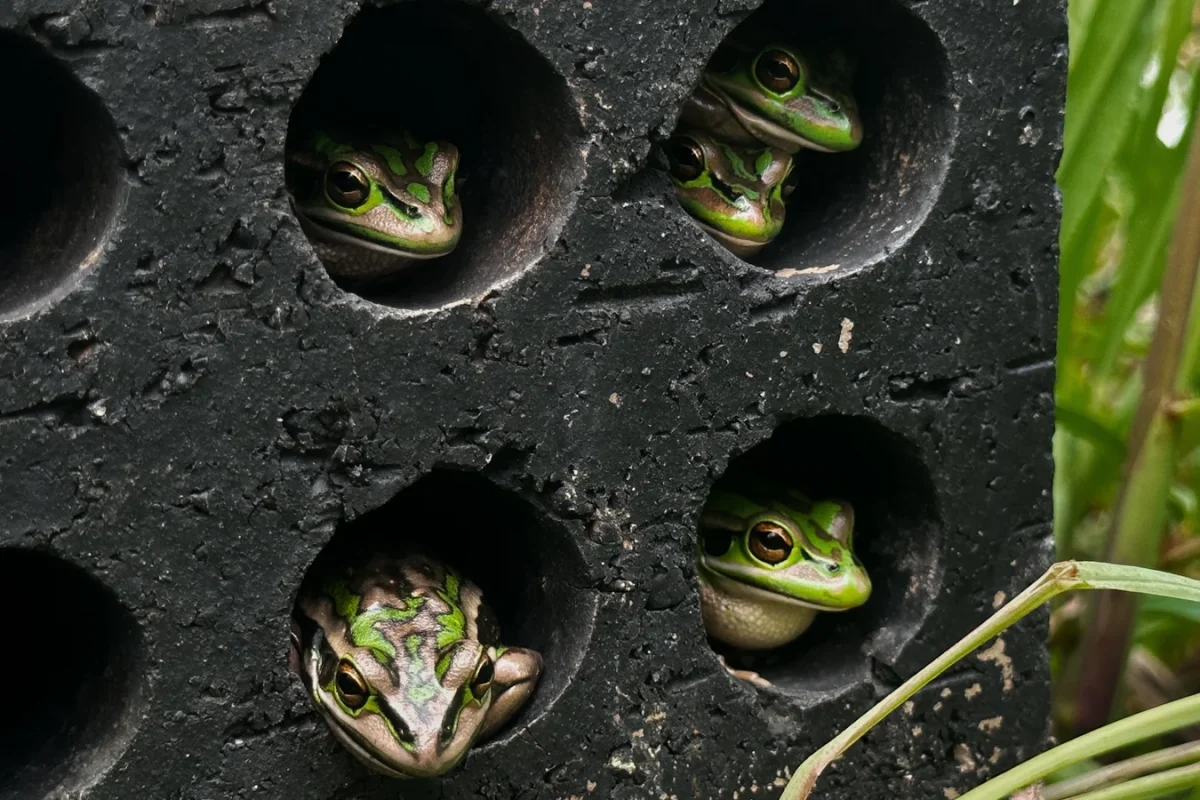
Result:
[
  {"x": 351, "y": 742},
  {"x": 742, "y": 248}
]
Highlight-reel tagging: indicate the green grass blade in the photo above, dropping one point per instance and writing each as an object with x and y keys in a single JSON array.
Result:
[
  {"x": 1155, "y": 722},
  {"x": 1151, "y": 786}
]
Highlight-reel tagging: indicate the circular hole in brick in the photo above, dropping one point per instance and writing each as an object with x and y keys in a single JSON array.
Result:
[
  {"x": 852, "y": 209},
  {"x": 63, "y": 183},
  {"x": 897, "y": 536},
  {"x": 74, "y": 673},
  {"x": 519, "y": 137},
  {"x": 529, "y": 569}
]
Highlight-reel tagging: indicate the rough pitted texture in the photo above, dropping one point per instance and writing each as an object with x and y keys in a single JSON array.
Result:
[{"x": 197, "y": 417}]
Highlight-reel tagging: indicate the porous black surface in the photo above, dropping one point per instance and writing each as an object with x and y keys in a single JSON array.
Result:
[{"x": 190, "y": 408}]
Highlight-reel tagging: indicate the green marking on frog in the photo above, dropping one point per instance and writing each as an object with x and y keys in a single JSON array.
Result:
[
  {"x": 376, "y": 205},
  {"x": 770, "y": 559},
  {"x": 411, "y": 659}
]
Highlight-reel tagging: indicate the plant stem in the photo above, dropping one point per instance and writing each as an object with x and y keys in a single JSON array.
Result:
[
  {"x": 1122, "y": 733},
  {"x": 1139, "y": 514},
  {"x": 1159, "y": 785},
  {"x": 1124, "y": 770},
  {"x": 1061, "y": 577}
]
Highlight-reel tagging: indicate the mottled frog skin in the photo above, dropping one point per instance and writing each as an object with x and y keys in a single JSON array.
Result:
[
  {"x": 401, "y": 657},
  {"x": 375, "y": 204},
  {"x": 759, "y": 101},
  {"x": 735, "y": 192}
]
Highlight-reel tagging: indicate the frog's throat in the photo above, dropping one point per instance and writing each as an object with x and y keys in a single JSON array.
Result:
[
  {"x": 735, "y": 588},
  {"x": 761, "y": 128},
  {"x": 742, "y": 248},
  {"x": 737, "y": 617},
  {"x": 333, "y": 236}
]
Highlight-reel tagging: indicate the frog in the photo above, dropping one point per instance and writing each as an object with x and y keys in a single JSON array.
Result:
[
  {"x": 374, "y": 203},
  {"x": 769, "y": 561},
  {"x": 736, "y": 193},
  {"x": 779, "y": 95},
  {"x": 400, "y": 656}
]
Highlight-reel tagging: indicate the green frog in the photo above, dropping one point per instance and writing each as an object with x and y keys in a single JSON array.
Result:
[
  {"x": 400, "y": 656},
  {"x": 768, "y": 562},
  {"x": 778, "y": 96},
  {"x": 374, "y": 205},
  {"x": 735, "y": 192}
]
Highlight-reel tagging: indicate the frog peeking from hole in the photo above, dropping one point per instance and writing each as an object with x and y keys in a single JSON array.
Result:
[
  {"x": 769, "y": 559},
  {"x": 375, "y": 203},
  {"x": 402, "y": 658}
]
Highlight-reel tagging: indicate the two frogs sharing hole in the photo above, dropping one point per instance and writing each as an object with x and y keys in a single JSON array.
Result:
[
  {"x": 405, "y": 660},
  {"x": 399, "y": 652},
  {"x": 376, "y": 204}
]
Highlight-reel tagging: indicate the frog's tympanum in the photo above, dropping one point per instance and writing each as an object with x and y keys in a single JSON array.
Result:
[
  {"x": 373, "y": 205},
  {"x": 770, "y": 100},
  {"x": 768, "y": 562},
  {"x": 401, "y": 657}
]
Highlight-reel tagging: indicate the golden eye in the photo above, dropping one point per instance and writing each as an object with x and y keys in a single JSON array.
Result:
[
  {"x": 482, "y": 682},
  {"x": 350, "y": 686},
  {"x": 770, "y": 543},
  {"x": 685, "y": 157},
  {"x": 347, "y": 185},
  {"x": 777, "y": 71}
]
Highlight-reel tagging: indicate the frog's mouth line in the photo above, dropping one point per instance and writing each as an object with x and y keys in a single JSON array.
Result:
[
  {"x": 332, "y": 235},
  {"x": 742, "y": 248},
  {"x": 730, "y": 585},
  {"x": 349, "y": 738},
  {"x": 756, "y": 123}
]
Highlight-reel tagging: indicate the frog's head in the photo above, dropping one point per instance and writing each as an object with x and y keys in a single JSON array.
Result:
[
  {"x": 735, "y": 192},
  {"x": 391, "y": 195},
  {"x": 793, "y": 550},
  {"x": 781, "y": 97},
  {"x": 406, "y": 709}
]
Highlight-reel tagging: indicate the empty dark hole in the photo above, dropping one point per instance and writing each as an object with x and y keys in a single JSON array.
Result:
[
  {"x": 897, "y": 536},
  {"x": 529, "y": 570},
  {"x": 73, "y": 670},
  {"x": 493, "y": 96},
  {"x": 61, "y": 177},
  {"x": 852, "y": 209}
]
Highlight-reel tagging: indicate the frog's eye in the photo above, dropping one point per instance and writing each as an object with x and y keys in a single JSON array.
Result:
[
  {"x": 482, "y": 681},
  {"x": 686, "y": 158},
  {"x": 347, "y": 185},
  {"x": 777, "y": 71},
  {"x": 350, "y": 686},
  {"x": 770, "y": 543}
]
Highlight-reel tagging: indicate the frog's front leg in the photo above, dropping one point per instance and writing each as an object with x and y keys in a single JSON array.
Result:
[{"x": 748, "y": 675}]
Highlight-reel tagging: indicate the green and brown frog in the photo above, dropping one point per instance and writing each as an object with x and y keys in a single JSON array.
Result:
[
  {"x": 376, "y": 203},
  {"x": 770, "y": 98},
  {"x": 402, "y": 659}
]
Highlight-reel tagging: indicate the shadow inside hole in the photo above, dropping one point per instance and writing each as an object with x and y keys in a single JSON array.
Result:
[
  {"x": 74, "y": 673},
  {"x": 62, "y": 177},
  {"x": 530, "y": 572},
  {"x": 851, "y": 209},
  {"x": 897, "y": 536},
  {"x": 462, "y": 77}
]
